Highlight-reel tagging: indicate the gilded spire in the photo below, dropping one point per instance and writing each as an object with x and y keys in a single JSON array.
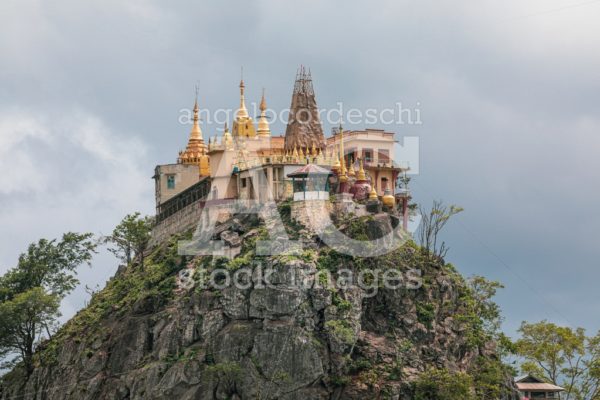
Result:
[
  {"x": 342, "y": 161},
  {"x": 263, "y": 124},
  {"x": 373, "y": 194},
  {"x": 227, "y": 139},
  {"x": 351, "y": 171},
  {"x": 196, "y": 132},
  {"x": 242, "y": 112},
  {"x": 243, "y": 126},
  {"x": 361, "y": 171},
  {"x": 195, "y": 147},
  {"x": 335, "y": 156}
]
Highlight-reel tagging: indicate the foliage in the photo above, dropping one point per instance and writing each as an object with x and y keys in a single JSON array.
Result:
[
  {"x": 440, "y": 384},
  {"x": 341, "y": 330},
  {"x": 489, "y": 377},
  {"x": 130, "y": 237},
  {"x": 482, "y": 292},
  {"x": 30, "y": 293},
  {"x": 341, "y": 304},
  {"x": 134, "y": 288},
  {"x": 23, "y": 319},
  {"x": 563, "y": 356},
  {"x": 426, "y": 314},
  {"x": 49, "y": 264},
  {"x": 432, "y": 222},
  {"x": 480, "y": 313}
]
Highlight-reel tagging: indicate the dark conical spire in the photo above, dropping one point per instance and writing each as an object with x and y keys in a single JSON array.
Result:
[{"x": 304, "y": 126}]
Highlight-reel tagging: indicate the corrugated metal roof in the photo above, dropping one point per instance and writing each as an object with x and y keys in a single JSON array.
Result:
[{"x": 539, "y": 387}]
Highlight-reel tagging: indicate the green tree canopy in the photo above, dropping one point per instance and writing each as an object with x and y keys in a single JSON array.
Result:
[
  {"x": 563, "y": 356},
  {"x": 440, "y": 384},
  {"x": 23, "y": 319},
  {"x": 130, "y": 238},
  {"x": 30, "y": 293},
  {"x": 49, "y": 264}
]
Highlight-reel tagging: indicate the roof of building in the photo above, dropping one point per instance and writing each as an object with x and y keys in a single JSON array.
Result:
[
  {"x": 532, "y": 383},
  {"x": 309, "y": 169},
  {"x": 543, "y": 387}
]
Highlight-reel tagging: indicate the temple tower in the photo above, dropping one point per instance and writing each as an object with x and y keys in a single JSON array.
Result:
[
  {"x": 243, "y": 126},
  {"x": 263, "y": 123},
  {"x": 304, "y": 128},
  {"x": 195, "y": 152}
]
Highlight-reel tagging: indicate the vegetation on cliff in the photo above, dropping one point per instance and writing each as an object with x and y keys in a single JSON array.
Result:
[{"x": 431, "y": 335}]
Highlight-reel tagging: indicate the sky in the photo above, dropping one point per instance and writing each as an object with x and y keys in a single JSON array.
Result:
[{"x": 92, "y": 94}]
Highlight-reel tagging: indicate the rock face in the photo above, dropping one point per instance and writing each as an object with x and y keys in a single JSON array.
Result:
[{"x": 294, "y": 339}]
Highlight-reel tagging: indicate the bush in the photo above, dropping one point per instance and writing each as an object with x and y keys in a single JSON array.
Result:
[
  {"x": 440, "y": 384},
  {"x": 341, "y": 331},
  {"x": 426, "y": 314}
]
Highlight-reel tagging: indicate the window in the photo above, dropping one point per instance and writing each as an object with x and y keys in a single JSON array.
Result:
[
  {"x": 243, "y": 182},
  {"x": 170, "y": 181},
  {"x": 384, "y": 156},
  {"x": 350, "y": 156},
  {"x": 384, "y": 183},
  {"x": 367, "y": 155}
]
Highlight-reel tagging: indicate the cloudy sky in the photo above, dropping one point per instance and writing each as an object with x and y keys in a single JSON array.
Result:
[{"x": 91, "y": 95}]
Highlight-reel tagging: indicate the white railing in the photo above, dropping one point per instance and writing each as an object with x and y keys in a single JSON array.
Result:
[{"x": 316, "y": 195}]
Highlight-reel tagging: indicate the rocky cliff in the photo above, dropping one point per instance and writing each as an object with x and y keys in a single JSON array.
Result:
[{"x": 150, "y": 335}]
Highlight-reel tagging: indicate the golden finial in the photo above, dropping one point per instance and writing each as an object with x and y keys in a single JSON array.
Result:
[
  {"x": 195, "y": 145},
  {"x": 263, "y": 103},
  {"x": 301, "y": 153},
  {"x": 196, "y": 132},
  {"x": 263, "y": 124},
  {"x": 314, "y": 150},
  {"x": 351, "y": 171},
  {"x": 335, "y": 156},
  {"x": 373, "y": 194},
  {"x": 342, "y": 160},
  {"x": 361, "y": 171},
  {"x": 242, "y": 112},
  {"x": 388, "y": 198},
  {"x": 295, "y": 153},
  {"x": 227, "y": 139}
]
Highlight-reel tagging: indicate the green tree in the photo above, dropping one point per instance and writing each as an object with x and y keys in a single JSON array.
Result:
[
  {"x": 30, "y": 293},
  {"x": 482, "y": 293},
  {"x": 49, "y": 264},
  {"x": 440, "y": 384},
  {"x": 491, "y": 375},
  {"x": 432, "y": 222},
  {"x": 23, "y": 319},
  {"x": 563, "y": 356},
  {"x": 130, "y": 238}
]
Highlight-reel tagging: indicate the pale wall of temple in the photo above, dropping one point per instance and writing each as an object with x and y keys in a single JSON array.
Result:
[{"x": 182, "y": 175}]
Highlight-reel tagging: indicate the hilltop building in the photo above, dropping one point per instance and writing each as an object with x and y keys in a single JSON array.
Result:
[
  {"x": 251, "y": 163},
  {"x": 531, "y": 387}
]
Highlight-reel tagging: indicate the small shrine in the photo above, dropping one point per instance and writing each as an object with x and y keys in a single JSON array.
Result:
[{"x": 310, "y": 182}]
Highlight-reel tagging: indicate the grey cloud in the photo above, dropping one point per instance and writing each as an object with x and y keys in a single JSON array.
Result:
[{"x": 508, "y": 103}]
